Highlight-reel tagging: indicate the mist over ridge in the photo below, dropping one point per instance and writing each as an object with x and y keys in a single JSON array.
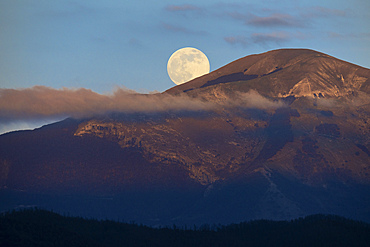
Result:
[{"x": 40, "y": 102}]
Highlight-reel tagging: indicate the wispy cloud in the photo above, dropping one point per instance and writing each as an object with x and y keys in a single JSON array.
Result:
[
  {"x": 269, "y": 20},
  {"x": 180, "y": 29},
  {"x": 274, "y": 37},
  {"x": 297, "y": 17},
  {"x": 236, "y": 15},
  {"x": 186, "y": 10},
  {"x": 181, "y": 8},
  {"x": 237, "y": 40},
  {"x": 319, "y": 11},
  {"x": 266, "y": 39},
  {"x": 33, "y": 107},
  {"x": 39, "y": 102},
  {"x": 262, "y": 38},
  {"x": 134, "y": 42},
  {"x": 252, "y": 99},
  {"x": 43, "y": 102},
  {"x": 275, "y": 20}
]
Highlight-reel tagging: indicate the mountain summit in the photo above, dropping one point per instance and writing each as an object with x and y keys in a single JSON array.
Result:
[
  {"x": 282, "y": 73},
  {"x": 287, "y": 136}
]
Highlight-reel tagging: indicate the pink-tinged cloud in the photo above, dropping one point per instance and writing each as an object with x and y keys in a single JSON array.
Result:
[
  {"x": 275, "y": 20},
  {"x": 180, "y": 29},
  {"x": 274, "y": 37},
  {"x": 238, "y": 16},
  {"x": 319, "y": 11},
  {"x": 237, "y": 40},
  {"x": 263, "y": 38},
  {"x": 183, "y": 7}
]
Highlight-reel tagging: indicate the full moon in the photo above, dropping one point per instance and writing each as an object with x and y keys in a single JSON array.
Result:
[{"x": 186, "y": 64}]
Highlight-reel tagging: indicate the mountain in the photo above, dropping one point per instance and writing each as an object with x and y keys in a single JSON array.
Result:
[{"x": 286, "y": 135}]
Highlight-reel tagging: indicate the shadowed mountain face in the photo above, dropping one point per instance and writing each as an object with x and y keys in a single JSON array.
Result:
[{"x": 301, "y": 149}]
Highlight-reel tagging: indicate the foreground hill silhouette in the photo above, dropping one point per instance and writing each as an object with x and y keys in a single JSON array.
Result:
[
  {"x": 43, "y": 228},
  {"x": 287, "y": 135}
]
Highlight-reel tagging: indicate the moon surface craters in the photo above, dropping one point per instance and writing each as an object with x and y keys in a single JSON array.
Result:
[{"x": 186, "y": 64}]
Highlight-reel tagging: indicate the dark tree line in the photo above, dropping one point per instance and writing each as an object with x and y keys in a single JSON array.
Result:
[{"x": 35, "y": 227}]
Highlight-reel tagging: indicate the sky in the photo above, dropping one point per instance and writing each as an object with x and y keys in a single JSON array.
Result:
[{"x": 103, "y": 46}]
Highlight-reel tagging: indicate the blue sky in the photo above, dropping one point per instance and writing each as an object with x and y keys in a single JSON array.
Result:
[{"x": 100, "y": 45}]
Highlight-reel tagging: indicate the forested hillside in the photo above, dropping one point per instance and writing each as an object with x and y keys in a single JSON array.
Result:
[{"x": 34, "y": 227}]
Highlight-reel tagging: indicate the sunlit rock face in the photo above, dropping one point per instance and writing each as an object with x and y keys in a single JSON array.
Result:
[
  {"x": 288, "y": 135},
  {"x": 308, "y": 143},
  {"x": 207, "y": 145}
]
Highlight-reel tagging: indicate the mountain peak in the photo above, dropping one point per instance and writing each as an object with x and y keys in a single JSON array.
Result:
[{"x": 282, "y": 73}]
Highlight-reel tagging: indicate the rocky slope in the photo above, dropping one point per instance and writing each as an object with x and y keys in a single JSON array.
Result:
[
  {"x": 307, "y": 143},
  {"x": 298, "y": 144}
]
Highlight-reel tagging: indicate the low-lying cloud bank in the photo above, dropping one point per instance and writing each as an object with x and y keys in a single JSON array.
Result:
[
  {"x": 44, "y": 102},
  {"x": 40, "y": 104},
  {"x": 40, "y": 101}
]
